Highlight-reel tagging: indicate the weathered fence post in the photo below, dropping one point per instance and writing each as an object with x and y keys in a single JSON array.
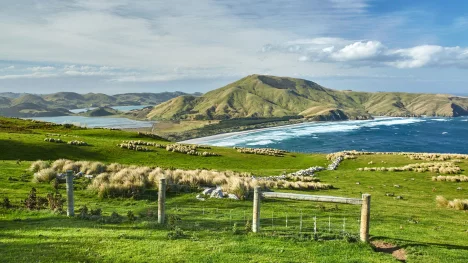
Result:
[
  {"x": 256, "y": 210},
  {"x": 161, "y": 200},
  {"x": 71, "y": 202},
  {"x": 365, "y": 217}
]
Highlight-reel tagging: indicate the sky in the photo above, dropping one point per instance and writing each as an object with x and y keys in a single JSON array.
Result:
[{"x": 121, "y": 46}]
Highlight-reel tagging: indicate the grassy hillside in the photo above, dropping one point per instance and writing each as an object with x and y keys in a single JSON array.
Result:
[
  {"x": 205, "y": 230},
  {"x": 270, "y": 96}
]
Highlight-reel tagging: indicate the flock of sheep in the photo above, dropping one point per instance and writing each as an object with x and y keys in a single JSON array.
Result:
[
  {"x": 261, "y": 151},
  {"x": 435, "y": 167},
  {"x": 189, "y": 149}
]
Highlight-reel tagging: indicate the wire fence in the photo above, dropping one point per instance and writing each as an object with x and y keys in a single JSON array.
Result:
[{"x": 288, "y": 220}]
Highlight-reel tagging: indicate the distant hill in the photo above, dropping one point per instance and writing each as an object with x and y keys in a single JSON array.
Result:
[
  {"x": 27, "y": 105},
  {"x": 270, "y": 96},
  {"x": 101, "y": 112},
  {"x": 5, "y": 102},
  {"x": 11, "y": 95}
]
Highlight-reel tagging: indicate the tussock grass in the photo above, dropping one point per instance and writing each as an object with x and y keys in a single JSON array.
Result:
[
  {"x": 45, "y": 175},
  {"x": 121, "y": 180},
  {"x": 39, "y": 165},
  {"x": 454, "y": 178},
  {"x": 457, "y": 204}
]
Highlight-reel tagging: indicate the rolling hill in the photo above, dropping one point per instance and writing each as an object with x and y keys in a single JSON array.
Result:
[
  {"x": 269, "y": 96},
  {"x": 58, "y": 104}
]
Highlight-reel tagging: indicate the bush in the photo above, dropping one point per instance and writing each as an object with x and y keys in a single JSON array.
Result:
[
  {"x": 56, "y": 202},
  {"x": 33, "y": 202}
]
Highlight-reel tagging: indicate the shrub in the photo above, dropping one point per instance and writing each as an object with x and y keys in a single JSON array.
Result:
[{"x": 56, "y": 202}]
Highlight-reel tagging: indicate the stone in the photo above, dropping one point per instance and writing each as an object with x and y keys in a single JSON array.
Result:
[
  {"x": 233, "y": 196},
  {"x": 217, "y": 193},
  {"x": 200, "y": 198},
  {"x": 207, "y": 191}
]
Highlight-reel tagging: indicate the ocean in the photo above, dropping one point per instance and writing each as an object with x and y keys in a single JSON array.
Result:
[{"x": 439, "y": 135}]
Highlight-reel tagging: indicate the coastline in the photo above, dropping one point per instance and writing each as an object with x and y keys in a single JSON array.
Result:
[
  {"x": 201, "y": 140},
  {"x": 222, "y": 136}
]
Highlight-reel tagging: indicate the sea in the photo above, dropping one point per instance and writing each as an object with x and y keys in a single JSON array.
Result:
[{"x": 438, "y": 135}]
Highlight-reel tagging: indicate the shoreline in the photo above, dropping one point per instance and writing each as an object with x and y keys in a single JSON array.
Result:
[{"x": 201, "y": 140}]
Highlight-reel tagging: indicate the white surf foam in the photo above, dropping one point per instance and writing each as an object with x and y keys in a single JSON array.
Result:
[
  {"x": 439, "y": 119},
  {"x": 265, "y": 137}
]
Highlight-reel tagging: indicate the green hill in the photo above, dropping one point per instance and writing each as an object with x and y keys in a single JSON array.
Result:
[
  {"x": 4, "y": 102},
  {"x": 270, "y": 96},
  {"x": 29, "y": 98},
  {"x": 101, "y": 111}
]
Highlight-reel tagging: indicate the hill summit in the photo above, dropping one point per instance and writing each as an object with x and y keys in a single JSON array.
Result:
[{"x": 270, "y": 96}]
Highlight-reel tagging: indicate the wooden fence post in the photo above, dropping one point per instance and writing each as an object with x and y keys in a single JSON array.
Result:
[
  {"x": 365, "y": 217},
  {"x": 162, "y": 200},
  {"x": 70, "y": 198},
  {"x": 256, "y": 210}
]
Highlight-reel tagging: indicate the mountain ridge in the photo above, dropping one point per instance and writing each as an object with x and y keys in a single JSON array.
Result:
[{"x": 270, "y": 96}]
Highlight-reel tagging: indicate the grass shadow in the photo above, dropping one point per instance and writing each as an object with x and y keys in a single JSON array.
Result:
[{"x": 16, "y": 150}]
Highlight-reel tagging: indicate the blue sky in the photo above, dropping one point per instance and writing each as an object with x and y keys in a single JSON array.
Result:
[{"x": 153, "y": 46}]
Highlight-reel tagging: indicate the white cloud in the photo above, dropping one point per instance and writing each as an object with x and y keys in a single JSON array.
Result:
[
  {"x": 45, "y": 68},
  {"x": 358, "y": 51},
  {"x": 28, "y": 76},
  {"x": 437, "y": 56},
  {"x": 373, "y": 53}
]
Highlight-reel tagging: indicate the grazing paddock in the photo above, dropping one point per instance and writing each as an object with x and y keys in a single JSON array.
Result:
[{"x": 123, "y": 229}]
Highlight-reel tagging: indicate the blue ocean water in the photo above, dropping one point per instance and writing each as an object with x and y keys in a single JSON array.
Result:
[{"x": 441, "y": 135}]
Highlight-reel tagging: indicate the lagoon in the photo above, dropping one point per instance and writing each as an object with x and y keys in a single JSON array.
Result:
[
  {"x": 119, "y": 108},
  {"x": 97, "y": 122}
]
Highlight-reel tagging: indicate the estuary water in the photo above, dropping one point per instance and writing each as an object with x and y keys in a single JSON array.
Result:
[
  {"x": 119, "y": 108},
  {"x": 444, "y": 135},
  {"x": 94, "y": 122}
]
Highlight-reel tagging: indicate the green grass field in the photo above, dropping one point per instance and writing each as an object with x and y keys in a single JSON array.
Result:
[{"x": 426, "y": 232}]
